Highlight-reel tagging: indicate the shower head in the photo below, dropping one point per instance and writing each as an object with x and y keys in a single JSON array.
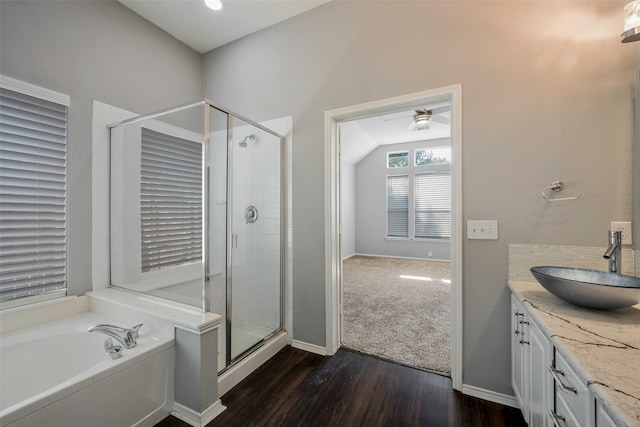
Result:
[{"x": 243, "y": 143}]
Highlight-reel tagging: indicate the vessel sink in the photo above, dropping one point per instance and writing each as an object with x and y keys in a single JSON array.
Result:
[{"x": 599, "y": 290}]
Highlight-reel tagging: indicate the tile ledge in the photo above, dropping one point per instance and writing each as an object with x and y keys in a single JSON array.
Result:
[
  {"x": 184, "y": 318},
  {"x": 34, "y": 314}
]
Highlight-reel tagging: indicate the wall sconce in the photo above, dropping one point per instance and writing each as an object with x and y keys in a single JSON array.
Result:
[{"x": 631, "y": 22}]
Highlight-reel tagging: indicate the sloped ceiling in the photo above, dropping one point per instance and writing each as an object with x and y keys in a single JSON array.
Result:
[
  {"x": 360, "y": 137},
  {"x": 203, "y": 29}
]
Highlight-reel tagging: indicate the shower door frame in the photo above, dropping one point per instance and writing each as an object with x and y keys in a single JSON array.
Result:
[
  {"x": 229, "y": 360},
  {"x": 206, "y": 303}
]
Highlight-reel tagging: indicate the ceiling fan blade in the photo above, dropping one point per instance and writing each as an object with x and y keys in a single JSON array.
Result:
[
  {"x": 440, "y": 110},
  {"x": 396, "y": 118},
  {"x": 440, "y": 119}
]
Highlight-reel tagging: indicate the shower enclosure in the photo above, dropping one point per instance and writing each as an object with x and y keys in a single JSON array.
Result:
[{"x": 198, "y": 217}]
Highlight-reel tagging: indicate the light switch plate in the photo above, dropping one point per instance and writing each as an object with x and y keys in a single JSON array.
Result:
[{"x": 482, "y": 230}]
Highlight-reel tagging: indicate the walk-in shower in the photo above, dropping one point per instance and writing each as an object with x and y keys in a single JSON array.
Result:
[{"x": 198, "y": 217}]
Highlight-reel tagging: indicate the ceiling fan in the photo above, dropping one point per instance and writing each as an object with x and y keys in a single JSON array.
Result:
[{"x": 424, "y": 116}]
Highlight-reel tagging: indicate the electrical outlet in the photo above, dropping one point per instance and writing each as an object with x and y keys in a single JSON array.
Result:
[
  {"x": 625, "y": 227},
  {"x": 483, "y": 230}
]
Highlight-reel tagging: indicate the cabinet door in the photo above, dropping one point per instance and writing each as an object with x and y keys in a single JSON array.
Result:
[
  {"x": 540, "y": 390},
  {"x": 518, "y": 355},
  {"x": 602, "y": 418},
  {"x": 564, "y": 416},
  {"x": 573, "y": 398}
]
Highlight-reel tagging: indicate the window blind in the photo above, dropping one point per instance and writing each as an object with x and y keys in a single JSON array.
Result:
[
  {"x": 398, "y": 206},
  {"x": 433, "y": 205},
  {"x": 171, "y": 201},
  {"x": 33, "y": 195}
]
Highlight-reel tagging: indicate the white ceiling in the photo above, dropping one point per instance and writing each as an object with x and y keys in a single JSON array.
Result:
[
  {"x": 203, "y": 29},
  {"x": 360, "y": 137}
]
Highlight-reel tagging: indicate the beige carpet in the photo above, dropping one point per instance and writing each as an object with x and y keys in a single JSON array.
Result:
[{"x": 406, "y": 320}]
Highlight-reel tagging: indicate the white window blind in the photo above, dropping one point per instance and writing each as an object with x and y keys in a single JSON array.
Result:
[
  {"x": 433, "y": 205},
  {"x": 398, "y": 206},
  {"x": 33, "y": 195},
  {"x": 171, "y": 201}
]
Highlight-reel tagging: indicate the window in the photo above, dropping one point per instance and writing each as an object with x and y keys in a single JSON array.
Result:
[
  {"x": 398, "y": 159},
  {"x": 433, "y": 156},
  {"x": 398, "y": 206},
  {"x": 33, "y": 191},
  {"x": 170, "y": 200},
  {"x": 429, "y": 177},
  {"x": 432, "y": 217}
]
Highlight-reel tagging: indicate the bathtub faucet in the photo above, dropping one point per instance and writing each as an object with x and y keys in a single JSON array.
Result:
[{"x": 127, "y": 337}]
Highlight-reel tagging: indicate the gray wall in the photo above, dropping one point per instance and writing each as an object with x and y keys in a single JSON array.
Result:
[
  {"x": 93, "y": 50},
  {"x": 371, "y": 206},
  {"x": 348, "y": 209},
  {"x": 547, "y": 94}
]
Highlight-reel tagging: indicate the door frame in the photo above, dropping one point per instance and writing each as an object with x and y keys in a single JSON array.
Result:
[{"x": 333, "y": 266}]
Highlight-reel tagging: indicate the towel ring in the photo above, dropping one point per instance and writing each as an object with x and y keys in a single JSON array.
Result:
[{"x": 557, "y": 186}]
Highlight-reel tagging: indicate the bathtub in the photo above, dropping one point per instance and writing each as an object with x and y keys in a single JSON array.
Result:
[{"x": 58, "y": 374}]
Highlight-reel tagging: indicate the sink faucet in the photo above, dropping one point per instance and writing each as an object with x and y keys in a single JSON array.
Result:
[
  {"x": 126, "y": 337},
  {"x": 614, "y": 251}
]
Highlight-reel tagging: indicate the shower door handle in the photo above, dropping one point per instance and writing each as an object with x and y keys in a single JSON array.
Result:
[{"x": 234, "y": 241}]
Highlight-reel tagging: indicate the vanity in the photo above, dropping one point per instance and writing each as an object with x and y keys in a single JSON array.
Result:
[{"x": 573, "y": 366}]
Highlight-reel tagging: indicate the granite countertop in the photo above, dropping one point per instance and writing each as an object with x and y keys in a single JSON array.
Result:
[{"x": 602, "y": 346}]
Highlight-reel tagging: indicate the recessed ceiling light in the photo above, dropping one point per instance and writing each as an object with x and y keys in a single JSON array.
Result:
[{"x": 213, "y": 4}]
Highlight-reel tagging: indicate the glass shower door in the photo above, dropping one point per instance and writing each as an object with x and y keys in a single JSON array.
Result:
[
  {"x": 254, "y": 309},
  {"x": 217, "y": 269}
]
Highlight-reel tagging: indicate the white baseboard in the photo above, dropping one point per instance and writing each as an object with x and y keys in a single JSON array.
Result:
[
  {"x": 491, "y": 396},
  {"x": 197, "y": 419},
  {"x": 311, "y": 348}
]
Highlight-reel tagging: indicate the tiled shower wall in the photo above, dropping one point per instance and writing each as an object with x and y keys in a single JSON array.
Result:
[{"x": 256, "y": 260}]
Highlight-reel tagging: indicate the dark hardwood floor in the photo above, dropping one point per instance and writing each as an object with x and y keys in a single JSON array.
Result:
[{"x": 297, "y": 388}]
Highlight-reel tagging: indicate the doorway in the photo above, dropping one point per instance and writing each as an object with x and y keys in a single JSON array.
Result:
[{"x": 450, "y": 95}]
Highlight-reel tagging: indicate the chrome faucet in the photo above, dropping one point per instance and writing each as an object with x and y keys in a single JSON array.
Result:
[
  {"x": 614, "y": 251},
  {"x": 114, "y": 351},
  {"x": 126, "y": 337}
]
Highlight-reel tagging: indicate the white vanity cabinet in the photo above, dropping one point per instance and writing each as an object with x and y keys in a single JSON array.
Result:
[
  {"x": 531, "y": 356},
  {"x": 548, "y": 390}
]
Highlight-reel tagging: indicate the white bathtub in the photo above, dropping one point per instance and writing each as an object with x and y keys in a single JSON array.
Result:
[{"x": 58, "y": 374}]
